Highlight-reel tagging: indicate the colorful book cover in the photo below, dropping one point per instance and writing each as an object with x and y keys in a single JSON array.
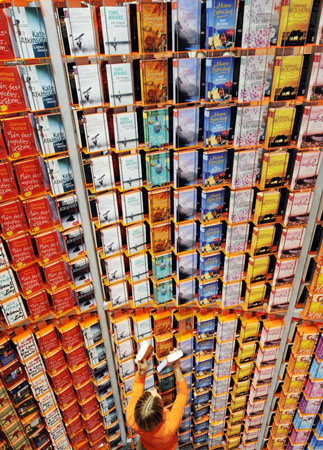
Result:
[
  {"x": 219, "y": 79},
  {"x": 255, "y": 296},
  {"x": 11, "y": 94},
  {"x": 132, "y": 207},
  {"x": 163, "y": 292},
  {"x": 157, "y": 169},
  {"x": 186, "y": 127},
  {"x": 257, "y": 269},
  {"x": 152, "y": 27},
  {"x": 161, "y": 236},
  {"x": 266, "y": 209},
  {"x": 209, "y": 267},
  {"x": 125, "y": 130},
  {"x": 286, "y": 77},
  {"x": 185, "y": 205},
  {"x": 120, "y": 84},
  {"x": 208, "y": 293},
  {"x": 294, "y": 20},
  {"x": 298, "y": 208},
  {"x": 19, "y": 137},
  {"x": 80, "y": 31},
  {"x": 253, "y": 78},
  {"x": 216, "y": 126},
  {"x": 154, "y": 81},
  {"x": 248, "y": 126},
  {"x": 279, "y": 129},
  {"x": 60, "y": 174},
  {"x": 21, "y": 250},
  {"x": 38, "y": 213},
  {"x": 159, "y": 205},
  {"x": 284, "y": 272},
  {"x": 185, "y": 168},
  {"x": 211, "y": 204},
  {"x": 185, "y": 292},
  {"x": 237, "y": 238},
  {"x": 233, "y": 268},
  {"x": 306, "y": 169},
  {"x": 162, "y": 266},
  {"x": 315, "y": 84},
  {"x": 310, "y": 133},
  {"x": 186, "y": 80},
  {"x": 291, "y": 241},
  {"x": 185, "y": 237},
  {"x": 186, "y": 266},
  {"x": 29, "y": 176},
  {"x": 274, "y": 168},
  {"x": 40, "y": 86},
  {"x": 262, "y": 239},
  {"x": 8, "y": 186},
  {"x": 51, "y": 133},
  {"x": 12, "y": 217},
  {"x": 156, "y": 127},
  {"x": 210, "y": 238},
  {"x": 6, "y": 51},
  {"x": 88, "y": 85},
  {"x": 244, "y": 169},
  {"x": 257, "y": 22},
  {"x": 224, "y": 24},
  {"x": 186, "y": 25},
  {"x": 130, "y": 171},
  {"x": 240, "y": 205},
  {"x": 115, "y": 30},
  {"x": 231, "y": 294}
]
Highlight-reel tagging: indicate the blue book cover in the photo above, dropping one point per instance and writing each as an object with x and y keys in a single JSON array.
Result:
[
  {"x": 210, "y": 238},
  {"x": 163, "y": 292},
  {"x": 186, "y": 365},
  {"x": 186, "y": 266},
  {"x": 209, "y": 24},
  {"x": 157, "y": 167},
  {"x": 185, "y": 237},
  {"x": 58, "y": 133},
  {"x": 214, "y": 168},
  {"x": 201, "y": 399},
  {"x": 219, "y": 79},
  {"x": 202, "y": 368},
  {"x": 46, "y": 82},
  {"x": 156, "y": 127},
  {"x": 208, "y": 292},
  {"x": 162, "y": 266},
  {"x": 185, "y": 205},
  {"x": 209, "y": 267},
  {"x": 185, "y": 292},
  {"x": 205, "y": 328},
  {"x": 186, "y": 127},
  {"x": 185, "y": 168},
  {"x": 224, "y": 32},
  {"x": 205, "y": 346},
  {"x": 186, "y": 24},
  {"x": 186, "y": 80},
  {"x": 211, "y": 204},
  {"x": 38, "y": 37},
  {"x": 216, "y": 126},
  {"x": 202, "y": 384}
]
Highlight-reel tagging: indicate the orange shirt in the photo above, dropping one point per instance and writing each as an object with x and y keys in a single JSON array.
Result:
[{"x": 165, "y": 435}]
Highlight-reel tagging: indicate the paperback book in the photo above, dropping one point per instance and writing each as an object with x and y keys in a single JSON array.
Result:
[
  {"x": 6, "y": 51},
  {"x": 107, "y": 208},
  {"x": 120, "y": 84},
  {"x": 210, "y": 238},
  {"x": 19, "y": 137},
  {"x": 51, "y": 133},
  {"x": 208, "y": 293},
  {"x": 74, "y": 243},
  {"x": 262, "y": 239},
  {"x": 216, "y": 126},
  {"x": 257, "y": 269},
  {"x": 115, "y": 268},
  {"x": 211, "y": 204},
  {"x": 130, "y": 171},
  {"x": 186, "y": 80},
  {"x": 111, "y": 240},
  {"x": 162, "y": 266},
  {"x": 8, "y": 186},
  {"x": 306, "y": 169},
  {"x": 136, "y": 238},
  {"x": 279, "y": 298},
  {"x": 248, "y": 125},
  {"x": 186, "y": 25},
  {"x": 231, "y": 294},
  {"x": 159, "y": 205},
  {"x": 286, "y": 77},
  {"x": 310, "y": 133},
  {"x": 298, "y": 208},
  {"x": 284, "y": 272},
  {"x": 253, "y": 81},
  {"x": 14, "y": 311},
  {"x": 237, "y": 238},
  {"x": 156, "y": 127},
  {"x": 274, "y": 169},
  {"x": 219, "y": 79},
  {"x": 118, "y": 294},
  {"x": 12, "y": 217},
  {"x": 60, "y": 174},
  {"x": 11, "y": 93},
  {"x": 185, "y": 237},
  {"x": 185, "y": 204},
  {"x": 40, "y": 87},
  {"x": 233, "y": 269},
  {"x": 224, "y": 24},
  {"x": 29, "y": 177},
  {"x": 132, "y": 207},
  {"x": 291, "y": 241},
  {"x": 244, "y": 169},
  {"x": 96, "y": 131},
  {"x": 154, "y": 81},
  {"x": 139, "y": 267},
  {"x": 8, "y": 285},
  {"x": 152, "y": 27},
  {"x": 125, "y": 130},
  {"x": 88, "y": 85},
  {"x": 163, "y": 292},
  {"x": 157, "y": 169},
  {"x": 186, "y": 127},
  {"x": 209, "y": 267},
  {"x": 294, "y": 20},
  {"x": 186, "y": 266},
  {"x": 315, "y": 84},
  {"x": 115, "y": 30},
  {"x": 214, "y": 167},
  {"x": 240, "y": 205},
  {"x": 185, "y": 292},
  {"x": 80, "y": 31},
  {"x": 267, "y": 204},
  {"x": 39, "y": 213},
  {"x": 257, "y": 23},
  {"x": 185, "y": 168},
  {"x": 141, "y": 292},
  {"x": 68, "y": 211},
  {"x": 160, "y": 238},
  {"x": 102, "y": 172}
]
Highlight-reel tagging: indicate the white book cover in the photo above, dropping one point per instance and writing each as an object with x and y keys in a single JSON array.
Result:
[
  {"x": 102, "y": 172},
  {"x": 27, "y": 347},
  {"x": 14, "y": 311},
  {"x": 257, "y": 19},
  {"x": 52, "y": 417},
  {"x": 80, "y": 31},
  {"x": 233, "y": 268},
  {"x": 139, "y": 267},
  {"x": 279, "y": 298},
  {"x": 60, "y": 175},
  {"x": 85, "y": 297},
  {"x": 284, "y": 272},
  {"x": 240, "y": 206},
  {"x": 125, "y": 130},
  {"x": 40, "y": 385},
  {"x": 298, "y": 208},
  {"x": 237, "y": 238},
  {"x": 248, "y": 125},
  {"x": 306, "y": 169},
  {"x": 244, "y": 169},
  {"x": 57, "y": 432},
  {"x": 311, "y": 130},
  {"x": 39, "y": 84},
  {"x": 132, "y": 207},
  {"x": 252, "y": 78},
  {"x": 120, "y": 84},
  {"x": 88, "y": 85},
  {"x": 115, "y": 30},
  {"x": 291, "y": 241},
  {"x": 81, "y": 271},
  {"x": 130, "y": 171},
  {"x": 141, "y": 292},
  {"x": 4, "y": 262},
  {"x": 46, "y": 402},
  {"x": 136, "y": 238},
  {"x": 74, "y": 243},
  {"x": 315, "y": 85},
  {"x": 107, "y": 208},
  {"x": 111, "y": 240},
  {"x": 8, "y": 285},
  {"x": 115, "y": 268},
  {"x": 118, "y": 293},
  {"x": 68, "y": 211},
  {"x": 96, "y": 131},
  {"x": 34, "y": 367},
  {"x": 51, "y": 133}
]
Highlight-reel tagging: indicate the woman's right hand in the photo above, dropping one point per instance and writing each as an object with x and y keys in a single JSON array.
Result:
[{"x": 142, "y": 367}]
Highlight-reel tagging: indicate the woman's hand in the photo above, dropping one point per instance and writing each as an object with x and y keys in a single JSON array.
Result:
[{"x": 142, "y": 367}]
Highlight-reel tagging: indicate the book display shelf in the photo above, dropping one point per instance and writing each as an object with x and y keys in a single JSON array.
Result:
[{"x": 161, "y": 180}]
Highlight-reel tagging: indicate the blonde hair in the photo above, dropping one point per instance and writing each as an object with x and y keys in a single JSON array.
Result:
[{"x": 148, "y": 411}]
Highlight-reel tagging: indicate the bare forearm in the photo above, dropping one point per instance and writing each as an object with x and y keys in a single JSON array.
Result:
[{"x": 178, "y": 375}]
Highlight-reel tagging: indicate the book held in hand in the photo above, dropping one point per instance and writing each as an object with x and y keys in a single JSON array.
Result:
[
  {"x": 145, "y": 351},
  {"x": 170, "y": 359}
]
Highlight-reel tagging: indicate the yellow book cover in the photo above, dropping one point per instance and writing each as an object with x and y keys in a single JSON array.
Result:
[
  {"x": 246, "y": 352},
  {"x": 267, "y": 204},
  {"x": 257, "y": 269},
  {"x": 255, "y": 296},
  {"x": 238, "y": 402},
  {"x": 152, "y": 27},
  {"x": 286, "y": 77},
  {"x": 242, "y": 387},
  {"x": 159, "y": 205},
  {"x": 316, "y": 285},
  {"x": 161, "y": 236},
  {"x": 293, "y": 24},
  {"x": 262, "y": 239},
  {"x": 249, "y": 329},
  {"x": 279, "y": 128},
  {"x": 153, "y": 75}
]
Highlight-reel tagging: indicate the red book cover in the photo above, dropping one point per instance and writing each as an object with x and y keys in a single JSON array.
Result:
[
  {"x": 12, "y": 218},
  {"x": 76, "y": 357},
  {"x": 98, "y": 445},
  {"x": 3, "y": 148},
  {"x": 48, "y": 246},
  {"x": 5, "y": 43},
  {"x": 8, "y": 187},
  {"x": 89, "y": 407},
  {"x": 30, "y": 177},
  {"x": 74, "y": 427},
  {"x": 65, "y": 396},
  {"x": 11, "y": 94},
  {"x": 38, "y": 214},
  {"x": 21, "y": 250},
  {"x": 56, "y": 274},
  {"x": 84, "y": 392},
  {"x": 38, "y": 305},
  {"x": 70, "y": 412},
  {"x": 93, "y": 421},
  {"x": 63, "y": 300},
  {"x": 54, "y": 361},
  {"x": 80, "y": 375},
  {"x": 70, "y": 334},
  {"x": 19, "y": 137},
  {"x": 84, "y": 445},
  {"x": 61, "y": 379},
  {"x": 77, "y": 439},
  {"x": 95, "y": 434},
  {"x": 12, "y": 374},
  {"x": 30, "y": 279},
  {"x": 47, "y": 339}
]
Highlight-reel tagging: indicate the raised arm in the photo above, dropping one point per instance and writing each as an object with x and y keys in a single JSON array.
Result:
[
  {"x": 137, "y": 391},
  {"x": 177, "y": 411}
]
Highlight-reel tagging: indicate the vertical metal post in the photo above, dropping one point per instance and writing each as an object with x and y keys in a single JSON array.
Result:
[
  {"x": 76, "y": 163},
  {"x": 289, "y": 315}
]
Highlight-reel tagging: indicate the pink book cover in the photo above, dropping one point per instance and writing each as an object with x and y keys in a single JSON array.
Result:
[
  {"x": 291, "y": 241},
  {"x": 279, "y": 298},
  {"x": 284, "y": 272},
  {"x": 315, "y": 85},
  {"x": 306, "y": 169},
  {"x": 298, "y": 208},
  {"x": 311, "y": 131}
]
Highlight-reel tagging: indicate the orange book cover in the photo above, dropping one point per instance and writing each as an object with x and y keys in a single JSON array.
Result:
[
  {"x": 154, "y": 88},
  {"x": 161, "y": 236},
  {"x": 159, "y": 206},
  {"x": 152, "y": 27}
]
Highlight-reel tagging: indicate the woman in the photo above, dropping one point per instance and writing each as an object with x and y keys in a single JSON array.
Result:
[{"x": 146, "y": 415}]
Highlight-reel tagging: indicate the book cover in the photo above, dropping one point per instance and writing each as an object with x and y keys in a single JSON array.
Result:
[
  {"x": 125, "y": 130},
  {"x": 310, "y": 133},
  {"x": 130, "y": 171},
  {"x": 115, "y": 268},
  {"x": 30, "y": 279},
  {"x": 60, "y": 175},
  {"x": 185, "y": 237},
  {"x": 162, "y": 266},
  {"x": 209, "y": 267},
  {"x": 88, "y": 85},
  {"x": 284, "y": 272},
  {"x": 80, "y": 271},
  {"x": 224, "y": 24},
  {"x": 160, "y": 237},
  {"x": 12, "y": 217},
  {"x": 185, "y": 205},
  {"x": 51, "y": 133},
  {"x": 279, "y": 129},
  {"x": 115, "y": 30},
  {"x": 14, "y": 311},
  {"x": 186, "y": 266},
  {"x": 185, "y": 127},
  {"x": 29, "y": 176},
  {"x": 266, "y": 208},
  {"x": 294, "y": 20},
  {"x": 141, "y": 292},
  {"x": 163, "y": 292},
  {"x": 286, "y": 77},
  {"x": 240, "y": 205},
  {"x": 257, "y": 23},
  {"x": 298, "y": 208},
  {"x": 185, "y": 292},
  {"x": 102, "y": 172},
  {"x": 291, "y": 241},
  {"x": 136, "y": 238},
  {"x": 29, "y": 31},
  {"x": 8, "y": 285},
  {"x": 216, "y": 126},
  {"x": 154, "y": 81},
  {"x": 255, "y": 296},
  {"x": 118, "y": 294},
  {"x": 40, "y": 86},
  {"x": 274, "y": 169},
  {"x": 210, "y": 238},
  {"x": 157, "y": 169},
  {"x": 186, "y": 25},
  {"x": 4, "y": 261},
  {"x": 68, "y": 211},
  {"x": 120, "y": 84},
  {"x": 248, "y": 126},
  {"x": 257, "y": 269},
  {"x": 262, "y": 239},
  {"x": 237, "y": 238},
  {"x": 152, "y": 27},
  {"x": 96, "y": 131},
  {"x": 186, "y": 80},
  {"x": 38, "y": 214},
  {"x": 211, "y": 204},
  {"x": 156, "y": 127},
  {"x": 11, "y": 93},
  {"x": 138, "y": 267},
  {"x": 6, "y": 51},
  {"x": 111, "y": 240},
  {"x": 315, "y": 84},
  {"x": 85, "y": 297},
  {"x": 219, "y": 79},
  {"x": 306, "y": 169},
  {"x": 19, "y": 137},
  {"x": 214, "y": 167},
  {"x": 107, "y": 208},
  {"x": 80, "y": 31},
  {"x": 132, "y": 207},
  {"x": 185, "y": 168},
  {"x": 8, "y": 187},
  {"x": 56, "y": 274},
  {"x": 209, "y": 24},
  {"x": 253, "y": 81},
  {"x": 244, "y": 169},
  {"x": 159, "y": 205},
  {"x": 74, "y": 243},
  {"x": 279, "y": 298}
]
